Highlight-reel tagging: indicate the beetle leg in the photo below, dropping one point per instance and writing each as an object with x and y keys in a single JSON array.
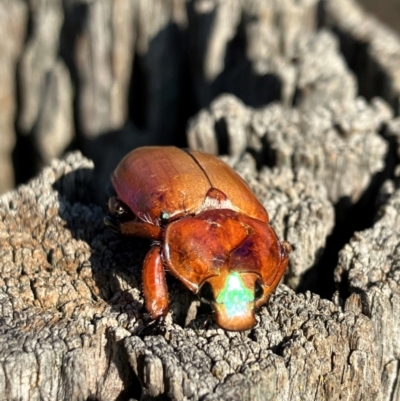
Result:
[
  {"x": 154, "y": 284},
  {"x": 112, "y": 222},
  {"x": 140, "y": 229},
  {"x": 133, "y": 228},
  {"x": 122, "y": 220},
  {"x": 154, "y": 327},
  {"x": 202, "y": 323}
]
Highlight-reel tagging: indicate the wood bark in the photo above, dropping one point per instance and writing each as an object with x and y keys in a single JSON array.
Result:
[{"x": 301, "y": 121}]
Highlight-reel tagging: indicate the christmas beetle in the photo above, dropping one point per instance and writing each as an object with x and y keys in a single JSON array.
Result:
[{"x": 209, "y": 231}]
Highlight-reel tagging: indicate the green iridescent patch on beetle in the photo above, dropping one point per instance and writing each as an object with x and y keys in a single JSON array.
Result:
[{"x": 235, "y": 296}]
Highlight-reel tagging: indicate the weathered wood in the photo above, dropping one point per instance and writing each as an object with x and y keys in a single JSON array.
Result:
[
  {"x": 45, "y": 112},
  {"x": 369, "y": 265},
  {"x": 244, "y": 47},
  {"x": 72, "y": 319},
  {"x": 371, "y": 48},
  {"x": 88, "y": 68},
  {"x": 71, "y": 313},
  {"x": 13, "y": 22},
  {"x": 316, "y": 347},
  {"x": 338, "y": 144},
  {"x": 93, "y": 44}
]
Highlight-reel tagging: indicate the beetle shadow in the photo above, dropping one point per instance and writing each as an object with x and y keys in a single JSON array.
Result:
[{"x": 115, "y": 262}]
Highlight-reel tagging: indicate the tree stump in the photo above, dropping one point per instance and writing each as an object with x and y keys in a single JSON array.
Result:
[
  {"x": 73, "y": 321},
  {"x": 301, "y": 98}
]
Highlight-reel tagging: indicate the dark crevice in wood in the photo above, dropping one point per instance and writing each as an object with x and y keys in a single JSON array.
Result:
[
  {"x": 117, "y": 356},
  {"x": 187, "y": 105},
  {"x": 239, "y": 78},
  {"x": 25, "y": 154},
  {"x": 24, "y": 158},
  {"x": 221, "y": 133},
  {"x": 349, "y": 219},
  {"x": 137, "y": 100},
  {"x": 75, "y": 17},
  {"x": 268, "y": 155}
]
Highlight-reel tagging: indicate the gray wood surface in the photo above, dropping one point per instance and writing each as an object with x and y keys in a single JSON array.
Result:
[
  {"x": 72, "y": 314},
  {"x": 300, "y": 97},
  {"x": 338, "y": 143},
  {"x": 13, "y": 18},
  {"x": 369, "y": 266}
]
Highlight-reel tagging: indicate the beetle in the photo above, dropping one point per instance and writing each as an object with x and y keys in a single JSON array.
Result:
[{"x": 209, "y": 231}]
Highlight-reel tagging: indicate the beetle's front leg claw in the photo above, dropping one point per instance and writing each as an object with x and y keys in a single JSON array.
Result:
[
  {"x": 113, "y": 223},
  {"x": 207, "y": 322},
  {"x": 201, "y": 323},
  {"x": 156, "y": 326}
]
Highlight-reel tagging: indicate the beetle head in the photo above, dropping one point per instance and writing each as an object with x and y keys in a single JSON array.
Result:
[
  {"x": 234, "y": 297},
  {"x": 232, "y": 261}
]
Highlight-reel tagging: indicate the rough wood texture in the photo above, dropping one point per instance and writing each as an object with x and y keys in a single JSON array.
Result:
[
  {"x": 302, "y": 78},
  {"x": 13, "y": 18},
  {"x": 245, "y": 47},
  {"x": 71, "y": 314},
  {"x": 371, "y": 48},
  {"x": 339, "y": 145},
  {"x": 87, "y": 70},
  {"x": 102, "y": 46},
  {"x": 51, "y": 293},
  {"x": 316, "y": 347},
  {"x": 369, "y": 266}
]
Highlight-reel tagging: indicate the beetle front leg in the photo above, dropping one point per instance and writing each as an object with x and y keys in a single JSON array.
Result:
[
  {"x": 154, "y": 284},
  {"x": 133, "y": 228}
]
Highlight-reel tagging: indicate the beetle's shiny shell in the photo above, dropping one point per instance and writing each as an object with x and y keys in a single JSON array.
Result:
[{"x": 170, "y": 182}]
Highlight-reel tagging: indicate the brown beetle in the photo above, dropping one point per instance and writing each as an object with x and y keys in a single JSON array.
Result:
[{"x": 211, "y": 232}]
